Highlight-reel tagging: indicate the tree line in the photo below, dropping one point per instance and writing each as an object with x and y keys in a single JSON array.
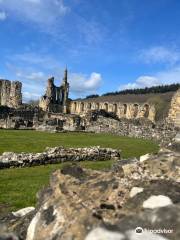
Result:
[{"x": 155, "y": 89}]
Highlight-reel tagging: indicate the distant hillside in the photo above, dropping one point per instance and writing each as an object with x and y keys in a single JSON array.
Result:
[
  {"x": 155, "y": 89},
  {"x": 137, "y": 91}
]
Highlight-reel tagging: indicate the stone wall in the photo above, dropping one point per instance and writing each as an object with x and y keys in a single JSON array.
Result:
[
  {"x": 122, "y": 110},
  {"x": 174, "y": 113},
  {"x": 10, "y": 93},
  {"x": 162, "y": 132},
  {"x": 25, "y": 117},
  {"x": 57, "y": 155}
]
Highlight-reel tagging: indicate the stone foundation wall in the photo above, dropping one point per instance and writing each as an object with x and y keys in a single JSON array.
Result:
[{"x": 57, "y": 155}]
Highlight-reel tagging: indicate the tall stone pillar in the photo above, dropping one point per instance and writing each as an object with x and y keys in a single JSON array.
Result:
[
  {"x": 15, "y": 94},
  {"x": 66, "y": 91},
  {"x": 5, "y": 92},
  {"x": 51, "y": 91}
]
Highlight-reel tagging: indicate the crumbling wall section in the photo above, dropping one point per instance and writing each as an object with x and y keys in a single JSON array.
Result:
[
  {"x": 174, "y": 112},
  {"x": 56, "y": 98},
  {"x": 163, "y": 132}
]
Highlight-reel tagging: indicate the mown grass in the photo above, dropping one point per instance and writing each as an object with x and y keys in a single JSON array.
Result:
[
  {"x": 32, "y": 141},
  {"x": 18, "y": 187}
]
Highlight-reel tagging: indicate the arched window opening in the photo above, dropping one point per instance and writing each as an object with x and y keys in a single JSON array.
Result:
[
  {"x": 97, "y": 106},
  {"x": 124, "y": 109},
  {"x": 82, "y": 107},
  {"x": 146, "y": 110},
  {"x": 89, "y": 106},
  {"x": 135, "y": 110},
  {"x": 115, "y": 108},
  {"x": 75, "y": 106},
  {"x": 106, "y": 107}
]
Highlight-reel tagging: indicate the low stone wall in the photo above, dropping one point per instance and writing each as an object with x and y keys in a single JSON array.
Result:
[
  {"x": 57, "y": 155},
  {"x": 163, "y": 132}
]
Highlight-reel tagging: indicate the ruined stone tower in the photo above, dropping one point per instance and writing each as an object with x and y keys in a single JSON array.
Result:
[
  {"x": 56, "y": 98},
  {"x": 10, "y": 93},
  {"x": 65, "y": 92}
]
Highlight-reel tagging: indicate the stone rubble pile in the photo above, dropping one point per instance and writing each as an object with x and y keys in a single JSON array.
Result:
[
  {"x": 57, "y": 155},
  {"x": 138, "y": 199}
]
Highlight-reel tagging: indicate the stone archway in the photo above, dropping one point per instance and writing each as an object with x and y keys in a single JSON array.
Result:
[
  {"x": 97, "y": 106},
  {"x": 135, "y": 110},
  {"x": 75, "y": 106},
  {"x": 82, "y": 107},
  {"x": 124, "y": 109},
  {"x": 106, "y": 107},
  {"x": 146, "y": 110},
  {"x": 89, "y": 106},
  {"x": 115, "y": 108}
]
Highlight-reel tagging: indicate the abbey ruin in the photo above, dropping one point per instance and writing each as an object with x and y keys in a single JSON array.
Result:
[
  {"x": 81, "y": 203},
  {"x": 152, "y": 115}
]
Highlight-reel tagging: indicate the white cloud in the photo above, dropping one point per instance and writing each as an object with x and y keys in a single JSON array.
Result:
[
  {"x": 141, "y": 82},
  {"x": 49, "y": 16},
  {"x": 42, "y": 12},
  {"x": 159, "y": 54},
  {"x": 164, "y": 77},
  {"x": 33, "y": 84},
  {"x": 170, "y": 76},
  {"x": 3, "y": 16},
  {"x": 30, "y": 96},
  {"x": 91, "y": 31},
  {"x": 31, "y": 61},
  {"x": 82, "y": 85},
  {"x": 37, "y": 76}
]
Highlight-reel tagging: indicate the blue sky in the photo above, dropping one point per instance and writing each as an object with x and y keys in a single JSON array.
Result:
[{"x": 107, "y": 45}]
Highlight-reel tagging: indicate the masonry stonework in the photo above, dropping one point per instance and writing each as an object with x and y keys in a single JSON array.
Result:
[
  {"x": 10, "y": 93},
  {"x": 121, "y": 110},
  {"x": 56, "y": 98},
  {"x": 174, "y": 112}
]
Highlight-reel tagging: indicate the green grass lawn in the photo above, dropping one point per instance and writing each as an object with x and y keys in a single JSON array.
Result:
[
  {"x": 18, "y": 187},
  {"x": 32, "y": 141}
]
